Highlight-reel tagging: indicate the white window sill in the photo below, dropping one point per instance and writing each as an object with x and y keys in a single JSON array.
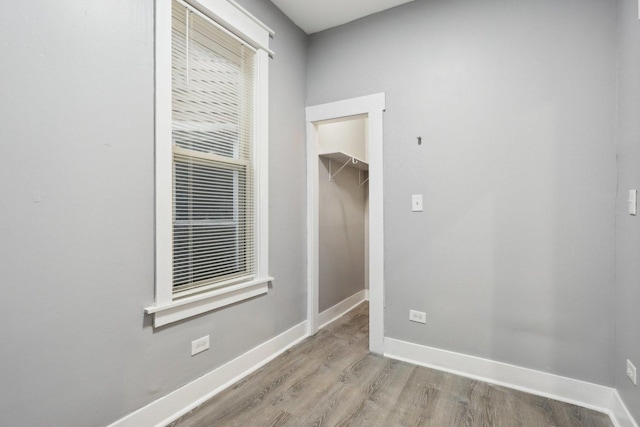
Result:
[{"x": 197, "y": 304}]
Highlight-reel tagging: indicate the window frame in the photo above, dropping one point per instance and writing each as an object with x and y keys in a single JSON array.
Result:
[{"x": 169, "y": 306}]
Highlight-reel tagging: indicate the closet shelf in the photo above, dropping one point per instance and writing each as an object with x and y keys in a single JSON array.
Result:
[{"x": 343, "y": 158}]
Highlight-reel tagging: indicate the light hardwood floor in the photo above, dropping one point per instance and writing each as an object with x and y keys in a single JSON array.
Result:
[{"x": 330, "y": 379}]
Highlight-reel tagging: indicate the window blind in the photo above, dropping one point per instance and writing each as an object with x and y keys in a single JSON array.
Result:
[{"x": 212, "y": 134}]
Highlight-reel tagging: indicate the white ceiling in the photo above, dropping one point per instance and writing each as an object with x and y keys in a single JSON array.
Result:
[{"x": 317, "y": 15}]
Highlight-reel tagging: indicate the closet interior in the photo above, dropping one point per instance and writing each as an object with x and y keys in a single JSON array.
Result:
[{"x": 343, "y": 210}]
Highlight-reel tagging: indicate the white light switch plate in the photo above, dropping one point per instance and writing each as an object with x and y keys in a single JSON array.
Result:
[
  {"x": 633, "y": 202},
  {"x": 416, "y": 203}
]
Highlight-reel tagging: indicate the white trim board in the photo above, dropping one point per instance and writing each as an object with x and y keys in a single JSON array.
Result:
[
  {"x": 340, "y": 309},
  {"x": 582, "y": 393},
  {"x": 619, "y": 413},
  {"x": 346, "y": 108},
  {"x": 168, "y": 408},
  {"x": 373, "y": 106}
]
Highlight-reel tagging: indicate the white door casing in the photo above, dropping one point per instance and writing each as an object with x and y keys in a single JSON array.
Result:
[{"x": 373, "y": 106}]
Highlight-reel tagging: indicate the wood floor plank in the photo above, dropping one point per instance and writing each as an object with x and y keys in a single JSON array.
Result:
[
  {"x": 261, "y": 386},
  {"x": 304, "y": 390},
  {"x": 418, "y": 399},
  {"x": 343, "y": 397},
  {"x": 301, "y": 391},
  {"x": 330, "y": 379}
]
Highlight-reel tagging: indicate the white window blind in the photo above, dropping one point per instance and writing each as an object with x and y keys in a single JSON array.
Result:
[{"x": 212, "y": 134}]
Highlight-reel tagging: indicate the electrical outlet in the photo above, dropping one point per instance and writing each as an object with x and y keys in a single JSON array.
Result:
[
  {"x": 631, "y": 372},
  {"x": 417, "y": 316},
  {"x": 199, "y": 345}
]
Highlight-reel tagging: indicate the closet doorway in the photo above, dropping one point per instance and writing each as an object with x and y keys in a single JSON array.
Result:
[{"x": 352, "y": 114}]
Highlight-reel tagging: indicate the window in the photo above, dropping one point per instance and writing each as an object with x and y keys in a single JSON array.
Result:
[{"x": 211, "y": 155}]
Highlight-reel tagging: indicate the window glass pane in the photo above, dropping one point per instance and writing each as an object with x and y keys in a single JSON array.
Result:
[
  {"x": 212, "y": 88},
  {"x": 206, "y": 192},
  {"x": 210, "y": 233},
  {"x": 195, "y": 244}
]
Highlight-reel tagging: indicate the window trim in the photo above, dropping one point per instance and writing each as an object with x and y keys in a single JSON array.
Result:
[{"x": 168, "y": 307}]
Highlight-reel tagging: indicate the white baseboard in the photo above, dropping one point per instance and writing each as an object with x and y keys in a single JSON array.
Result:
[
  {"x": 170, "y": 407},
  {"x": 582, "y": 393},
  {"x": 177, "y": 403},
  {"x": 341, "y": 308},
  {"x": 620, "y": 415},
  {"x": 366, "y": 294}
]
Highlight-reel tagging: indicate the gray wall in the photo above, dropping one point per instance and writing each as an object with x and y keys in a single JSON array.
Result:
[
  {"x": 341, "y": 221},
  {"x": 77, "y": 228},
  {"x": 512, "y": 258},
  {"x": 627, "y": 315}
]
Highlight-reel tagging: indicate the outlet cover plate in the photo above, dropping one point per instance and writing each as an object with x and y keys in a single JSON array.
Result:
[
  {"x": 199, "y": 345},
  {"x": 417, "y": 316}
]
